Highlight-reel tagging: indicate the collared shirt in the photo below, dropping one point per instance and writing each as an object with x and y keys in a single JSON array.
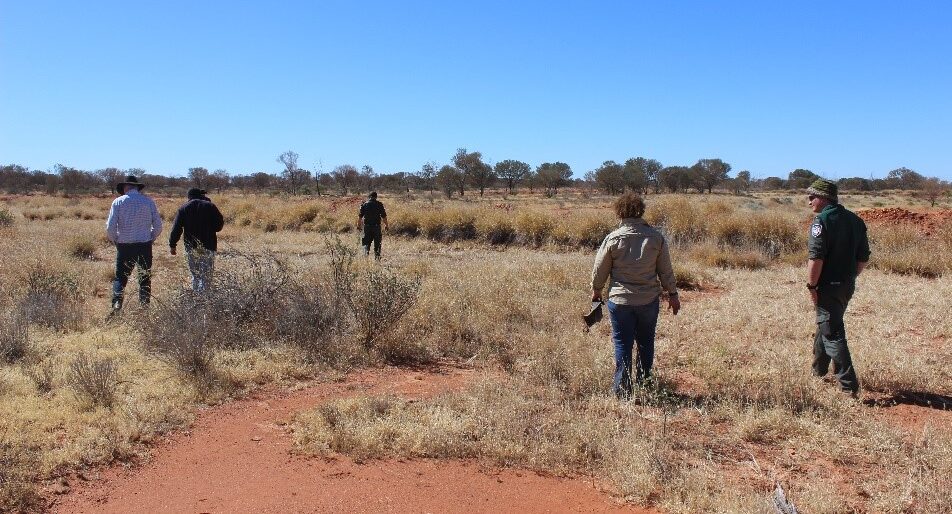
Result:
[
  {"x": 636, "y": 257},
  {"x": 838, "y": 238},
  {"x": 372, "y": 212},
  {"x": 133, "y": 218}
]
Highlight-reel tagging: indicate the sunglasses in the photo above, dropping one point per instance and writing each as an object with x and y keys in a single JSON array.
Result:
[{"x": 812, "y": 197}]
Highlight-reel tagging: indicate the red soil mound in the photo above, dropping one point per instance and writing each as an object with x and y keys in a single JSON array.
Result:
[{"x": 927, "y": 222}]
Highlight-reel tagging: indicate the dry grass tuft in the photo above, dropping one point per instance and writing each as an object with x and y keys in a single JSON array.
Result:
[
  {"x": 902, "y": 249},
  {"x": 14, "y": 336},
  {"x": 17, "y": 473},
  {"x": 6, "y": 218},
  {"x": 81, "y": 247},
  {"x": 727, "y": 258},
  {"x": 52, "y": 296},
  {"x": 534, "y": 228},
  {"x": 94, "y": 379}
]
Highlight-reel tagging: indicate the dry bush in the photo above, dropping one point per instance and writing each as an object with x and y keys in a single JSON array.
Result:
[
  {"x": 18, "y": 467},
  {"x": 52, "y": 296},
  {"x": 680, "y": 221},
  {"x": 453, "y": 224},
  {"x": 312, "y": 319},
  {"x": 177, "y": 330},
  {"x": 584, "y": 231},
  {"x": 495, "y": 228},
  {"x": 534, "y": 228},
  {"x": 94, "y": 379},
  {"x": 902, "y": 249},
  {"x": 81, "y": 247},
  {"x": 377, "y": 297},
  {"x": 14, "y": 335},
  {"x": 298, "y": 216},
  {"x": 690, "y": 277},
  {"x": 256, "y": 300},
  {"x": 405, "y": 222},
  {"x": 6, "y": 218},
  {"x": 725, "y": 257},
  {"x": 774, "y": 233}
]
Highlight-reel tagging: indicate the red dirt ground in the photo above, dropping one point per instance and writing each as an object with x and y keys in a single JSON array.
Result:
[
  {"x": 237, "y": 458},
  {"x": 927, "y": 222}
]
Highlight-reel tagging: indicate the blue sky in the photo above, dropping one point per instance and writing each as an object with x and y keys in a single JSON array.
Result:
[{"x": 840, "y": 88}]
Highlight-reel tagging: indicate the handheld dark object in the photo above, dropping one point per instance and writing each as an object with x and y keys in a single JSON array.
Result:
[{"x": 594, "y": 315}]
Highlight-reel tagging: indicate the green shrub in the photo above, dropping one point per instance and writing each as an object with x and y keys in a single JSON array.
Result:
[{"x": 6, "y": 218}]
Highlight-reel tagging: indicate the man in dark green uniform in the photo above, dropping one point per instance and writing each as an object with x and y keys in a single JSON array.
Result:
[
  {"x": 838, "y": 252},
  {"x": 371, "y": 215}
]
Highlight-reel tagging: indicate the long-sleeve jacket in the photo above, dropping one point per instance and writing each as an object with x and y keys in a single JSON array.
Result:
[
  {"x": 199, "y": 219},
  {"x": 133, "y": 218},
  {"x": 636, "y": 258},
  {"x": 838, "y": 237}
]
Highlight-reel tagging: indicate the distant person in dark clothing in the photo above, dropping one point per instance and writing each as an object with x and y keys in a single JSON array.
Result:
[
  {"x": 200, "y": 220},
  {"x": 371, "y": 215}
]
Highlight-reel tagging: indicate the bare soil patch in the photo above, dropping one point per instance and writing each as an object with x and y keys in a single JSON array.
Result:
[
  {"x": 237, "y": 458},
  {"x": 926, "y": 221}
]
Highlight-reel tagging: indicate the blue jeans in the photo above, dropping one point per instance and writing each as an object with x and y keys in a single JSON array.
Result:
[
  {"x": 633, "y": 324},
  {"x": 201, "y": 264},
  {"x": 128, "y": 257}
]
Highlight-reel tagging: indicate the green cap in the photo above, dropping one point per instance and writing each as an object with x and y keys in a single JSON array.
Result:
[{"x": 825, "y": 188}]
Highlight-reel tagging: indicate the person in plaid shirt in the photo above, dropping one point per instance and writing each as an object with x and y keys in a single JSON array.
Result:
[{"x": 133, "y": 225}]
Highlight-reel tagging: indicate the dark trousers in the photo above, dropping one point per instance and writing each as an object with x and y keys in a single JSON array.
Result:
[
  {"x": 829, "y": 345},
  {"x": 372, "y": 234},
  {"x": 129, "y": 256},
  {"x": 632, "y": 324}
]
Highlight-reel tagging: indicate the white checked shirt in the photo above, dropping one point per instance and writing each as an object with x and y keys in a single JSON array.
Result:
[{"x": 133, "y": 218}]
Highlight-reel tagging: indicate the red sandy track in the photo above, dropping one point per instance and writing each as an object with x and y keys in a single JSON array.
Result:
[{"x": 236, "y": 458}]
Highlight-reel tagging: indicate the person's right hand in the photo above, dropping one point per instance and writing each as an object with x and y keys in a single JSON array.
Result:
[
  {"x": 172, "y": 250},
  {"x": 674, "y": 303}
]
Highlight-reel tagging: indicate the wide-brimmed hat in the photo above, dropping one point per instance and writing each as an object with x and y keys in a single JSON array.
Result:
[
  {"x": 196, "y": 193},
  {"x": 825, "y": 188},
  {"x": 131, "y": 180}
]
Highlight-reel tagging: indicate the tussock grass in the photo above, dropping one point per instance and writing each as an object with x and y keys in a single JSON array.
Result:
[
  {"x": 14, "y": 335},
  {"x": 6, "y": 217},
  {"x": 904, "y": 250},
  {"x": 81, "y": 246},
  {"x": 52, "y": 296},
  {"x": 94, "y": 379}
]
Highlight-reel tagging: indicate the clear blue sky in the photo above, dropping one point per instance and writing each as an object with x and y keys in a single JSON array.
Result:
[{"x": 841, "y": 88}]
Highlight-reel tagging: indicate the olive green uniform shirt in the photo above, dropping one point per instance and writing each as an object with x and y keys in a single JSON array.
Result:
[
  {"x": 636, "y": 257},
  {"x": 838, "y": 237}
]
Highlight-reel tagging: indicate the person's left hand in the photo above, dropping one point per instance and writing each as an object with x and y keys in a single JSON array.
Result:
[
  {"x": 813, "y": 296},
  {"x": 172, "y": 250},
  {"x": 674, "y": 303}
]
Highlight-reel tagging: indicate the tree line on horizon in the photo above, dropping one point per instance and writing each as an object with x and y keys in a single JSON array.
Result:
[{"x": 466, "y": 171}]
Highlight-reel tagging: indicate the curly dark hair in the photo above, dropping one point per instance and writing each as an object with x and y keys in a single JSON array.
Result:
[{"x": 629, "y": 205}]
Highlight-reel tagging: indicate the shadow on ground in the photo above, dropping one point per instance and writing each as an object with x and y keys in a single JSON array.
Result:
[{"x": 918, "y": 398}]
